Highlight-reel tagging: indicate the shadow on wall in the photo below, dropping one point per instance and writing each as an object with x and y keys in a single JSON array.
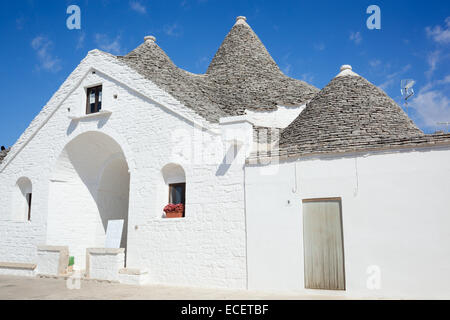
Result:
[
  {"x": 228, "y": 159},
  {"x": 100, "y": 122}
]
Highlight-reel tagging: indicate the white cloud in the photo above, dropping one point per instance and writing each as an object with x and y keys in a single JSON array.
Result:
[
  {"x": 81, "y": 38},
  {"x": 287, "y": 69},
  {"x": 307, "y": 77},
  {"x": 433, "y": 60},
  {"x": 20, "y": 22},
  {"x": 446, "y": 80},
  {"x": 432, "y": 104},
  {"x": 393, "y": 77},
  {"x": 138, "y": 7},
  {"x": 105, "y": 44},
  {"x": 439, "y": 34},
  {"x": 374, "y": 63},
  {"x": 43, "y": 46},
  {"x": 202, "y": 63},
  {"x": 385, "y": 85},
  {"x": 320, "y": 46},
  {"x": 356, "y": 37},
  {"x": 287, "y": 66},
  {"x": 173, "y": 30}
]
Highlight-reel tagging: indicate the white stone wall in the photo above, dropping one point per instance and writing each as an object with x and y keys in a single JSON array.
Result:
[
  {"x": 396, "y": 218},
  {"x": 280, "y": 118},
  {"x": 18, "y": 240},
  {"x": 106, "y": 266},
  {"x": 207, "y": 248},
  {"x": 48, "y": 263}
]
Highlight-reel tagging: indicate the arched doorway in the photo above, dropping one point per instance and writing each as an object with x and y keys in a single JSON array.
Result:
[{"x": 88, "y": 187}]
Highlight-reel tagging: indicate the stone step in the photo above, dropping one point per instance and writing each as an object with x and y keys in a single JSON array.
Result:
[
  {"x": 133, "y": 276},
  {"x": 17, "y": 269}
]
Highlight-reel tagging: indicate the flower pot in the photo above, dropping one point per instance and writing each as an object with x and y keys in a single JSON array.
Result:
[{"x": 174, "y": 214}]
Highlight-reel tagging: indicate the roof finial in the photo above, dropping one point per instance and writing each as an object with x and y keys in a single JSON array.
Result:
[
  {"x": 150, "y": 39},
  {"x": 346, "y": 70},
  {"x": 241, "y": 20}
]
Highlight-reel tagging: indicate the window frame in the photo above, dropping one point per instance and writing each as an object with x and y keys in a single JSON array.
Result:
[
  {"x": 174, "y": 185},
  {"x": 97, "y": 90}
]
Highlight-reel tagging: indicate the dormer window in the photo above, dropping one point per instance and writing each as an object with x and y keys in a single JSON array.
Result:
[{"x": 94, "y": 100}]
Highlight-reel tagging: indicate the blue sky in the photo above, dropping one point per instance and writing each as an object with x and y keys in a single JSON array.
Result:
[{"x": 309, "y": 40}]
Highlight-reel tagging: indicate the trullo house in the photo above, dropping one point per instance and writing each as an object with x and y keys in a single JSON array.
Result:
[{"x": 283, "y": 187}]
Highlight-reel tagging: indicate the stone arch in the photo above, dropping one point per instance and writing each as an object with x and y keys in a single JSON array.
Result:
[
  {"x": 173, "y": 173},
  {"x": 89, "y": 186}
]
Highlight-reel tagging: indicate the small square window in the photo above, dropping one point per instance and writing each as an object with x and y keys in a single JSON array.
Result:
[{"x": 94, "y": 100}]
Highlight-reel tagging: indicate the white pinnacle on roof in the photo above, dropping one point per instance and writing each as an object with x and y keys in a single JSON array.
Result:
[
  {"x": 150, "y": 39},
  {"x": 241, "y": 20},
  {"x": 346, "y": 70}
]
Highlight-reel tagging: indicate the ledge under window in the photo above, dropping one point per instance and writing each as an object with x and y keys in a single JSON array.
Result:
[{"x": 101, "y": 113}]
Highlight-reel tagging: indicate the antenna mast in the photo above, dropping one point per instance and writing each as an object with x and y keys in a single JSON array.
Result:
[{"x": 407, "y": 91}]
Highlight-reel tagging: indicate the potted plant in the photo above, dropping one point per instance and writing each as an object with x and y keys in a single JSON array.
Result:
[
  {"x": 71, "y": 263},
  {"x": 174, "y": 210}
]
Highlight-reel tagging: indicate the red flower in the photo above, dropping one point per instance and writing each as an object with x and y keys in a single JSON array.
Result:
[{"x": 174, "y": 208}]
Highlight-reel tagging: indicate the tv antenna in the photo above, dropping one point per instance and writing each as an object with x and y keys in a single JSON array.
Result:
[{"x": 407, "y": 91}]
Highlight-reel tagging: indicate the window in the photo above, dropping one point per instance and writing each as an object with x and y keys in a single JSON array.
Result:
[
  {"x": 177, "y": 194},
  {"x": 28, "y": 198},
  {"x": 22, "y": 200},
  {"x": 175, "y": 183},
  {"x": 94, "y": 100}
]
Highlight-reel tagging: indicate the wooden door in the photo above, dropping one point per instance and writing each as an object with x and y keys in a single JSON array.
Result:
[{"x": 323, "y": 244}]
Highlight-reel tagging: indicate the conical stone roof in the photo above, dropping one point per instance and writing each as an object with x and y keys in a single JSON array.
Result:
[
  {"x": 241, "y": 76},
  {"x": 243, "y": 66},
  {"x": 153, "y": 63},
  {"x": 350, "y": 113}
]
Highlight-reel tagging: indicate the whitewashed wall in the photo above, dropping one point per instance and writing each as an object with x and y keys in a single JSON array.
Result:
[
  {"x": 396, "y": 218},
  {"x": 279, "y": 118},
  {"x": 207, "y": 248}
]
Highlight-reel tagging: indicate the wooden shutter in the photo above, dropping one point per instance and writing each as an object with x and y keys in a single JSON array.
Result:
[{"x": 323, "y": 244}]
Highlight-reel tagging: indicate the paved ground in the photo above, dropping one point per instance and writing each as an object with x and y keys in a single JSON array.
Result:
[{"x": 18, "y": 288}]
